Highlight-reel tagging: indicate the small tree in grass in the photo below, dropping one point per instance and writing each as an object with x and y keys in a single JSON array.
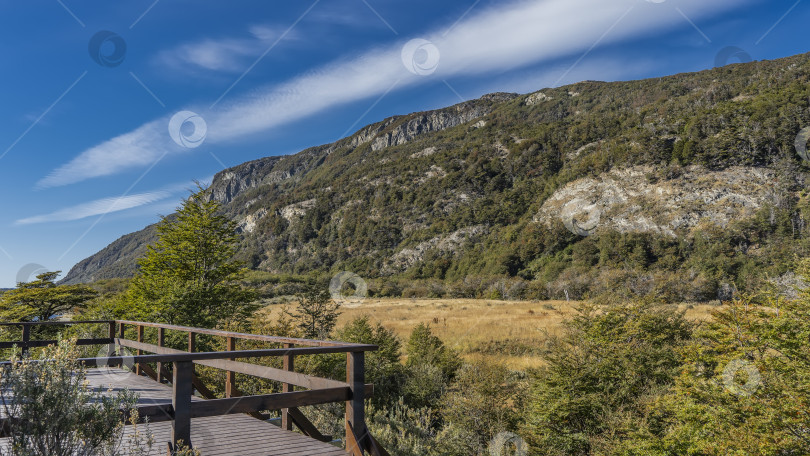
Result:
[
  {"x": 591, "y": 396},
  {"x": 425, "y": 348},
  {"x": 316, "y": 313}
]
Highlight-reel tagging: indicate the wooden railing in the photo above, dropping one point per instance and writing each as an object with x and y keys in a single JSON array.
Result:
[{"x": 316, "y": 390}]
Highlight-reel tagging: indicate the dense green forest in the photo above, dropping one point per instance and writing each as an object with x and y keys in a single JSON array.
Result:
[{"x": 361, "y": 204}]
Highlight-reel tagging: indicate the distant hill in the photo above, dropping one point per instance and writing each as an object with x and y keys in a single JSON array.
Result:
[{"x": 683, "y": 186}]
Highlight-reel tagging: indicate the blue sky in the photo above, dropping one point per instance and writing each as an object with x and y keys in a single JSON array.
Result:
[{"x": 111, "y": 109}]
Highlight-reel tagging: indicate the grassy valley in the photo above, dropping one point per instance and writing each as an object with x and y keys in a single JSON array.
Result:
[{"x": 509, "y": 333}]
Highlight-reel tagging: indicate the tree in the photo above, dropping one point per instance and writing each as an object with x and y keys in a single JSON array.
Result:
[
  {"x": 484, "y": 400},
  {"x": 430, "y": 368},
  {"x": 42, "y": 299},
  {"x": 189, "y": 277},
  {"x": 592, "y": 394},
  {"x": 383, "y": 367},
  {"x": 744, "y": 387},
  {"x": 316, "y": 313},
  {"x": 426, "y": 348}
]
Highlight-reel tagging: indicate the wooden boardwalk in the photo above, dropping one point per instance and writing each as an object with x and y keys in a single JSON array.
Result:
[
  {"x": 222, "y": 426},
  {"x": 227, "y": 435}
]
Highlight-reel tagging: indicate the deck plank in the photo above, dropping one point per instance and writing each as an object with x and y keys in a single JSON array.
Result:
[{"x": 229, "y": 435}]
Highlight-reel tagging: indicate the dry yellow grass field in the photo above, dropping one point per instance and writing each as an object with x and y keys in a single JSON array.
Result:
[{"x": 504, "y": 331}]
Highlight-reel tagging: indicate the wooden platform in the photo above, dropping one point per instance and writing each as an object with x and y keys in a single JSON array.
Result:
[
  {"x": 228, "y": 435},
  {"x": 216, "y": 430}
]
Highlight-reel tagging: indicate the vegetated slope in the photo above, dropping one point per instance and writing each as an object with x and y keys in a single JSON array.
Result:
[
  {"x": 682, "y": 186},
  {"x": 114, "y": 261}
]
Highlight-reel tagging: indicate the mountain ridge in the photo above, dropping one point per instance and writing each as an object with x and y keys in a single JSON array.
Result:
[
  {"x": 487, "y": 188},
  {"x": 229, "y": 183}
]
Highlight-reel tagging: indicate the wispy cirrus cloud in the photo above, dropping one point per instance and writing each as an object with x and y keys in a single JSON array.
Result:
[
  {"x": 97, "y": 207},
  {"x": 229, "y": 55},
  {"x": 168, "y": 197},
  {"x": 138, "y": 148},
  {"x": 491, "y": 41}
]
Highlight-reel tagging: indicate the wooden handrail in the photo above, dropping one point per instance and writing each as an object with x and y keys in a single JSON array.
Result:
[
  {"x": 44, "y": 343},
  {"x": 275, "y": 401},
  {"x": 267, "y": 372},
  {"x": 55, "y": 322},
  {"x": 212, "y": 332},
  {"x": 319, "y": 390},
  {"x": 244, "y": 336},
  {"x": 204, "y": 356}
]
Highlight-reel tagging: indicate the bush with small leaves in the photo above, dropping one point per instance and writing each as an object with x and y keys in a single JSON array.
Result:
[{"x": 54, "y": 413}]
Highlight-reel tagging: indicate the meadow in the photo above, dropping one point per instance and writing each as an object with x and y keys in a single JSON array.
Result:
[{"x": 507, "y": 332}]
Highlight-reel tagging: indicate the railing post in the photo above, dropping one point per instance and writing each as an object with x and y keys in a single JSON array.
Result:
[
  {"x": 181, "y": 402},
  {"x": 192, "y": 347},
  {"x": 111, "y": 347},
  {"x": 161, "y": 341},
  {"x": 121, "y": 330},
  {"x": 289, "y": 365},
  {"x": 26, "y": 338},
  {"x": 356, "y": 433},
  {"x": 230, "y": 377},
  {"x": 138, "y": 370}
]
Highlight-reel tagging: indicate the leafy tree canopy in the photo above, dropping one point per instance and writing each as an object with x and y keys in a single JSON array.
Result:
[
  {"x": 42, "y": 299},
  {"x": 188, "y": 276}
]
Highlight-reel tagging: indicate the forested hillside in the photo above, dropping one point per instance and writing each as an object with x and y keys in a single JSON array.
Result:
[{"x": 686, "y": 187}]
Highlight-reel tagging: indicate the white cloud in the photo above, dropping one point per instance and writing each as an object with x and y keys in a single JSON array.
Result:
[
  {"x": 231, "y": 55},
  {"x": 222, "y": 55},
  {"x": 138, "y": 148},
  {"x": 492, "y": 41},
  {"x": 97, "y": 207},
  {"x": 121, "y": 203}
]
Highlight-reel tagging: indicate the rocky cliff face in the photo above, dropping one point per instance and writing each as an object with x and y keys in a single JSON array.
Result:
[
  {"x": 446, "y": 244},
  {"x": 635, "y": 200},
  {"x": 233, "y": 181},
  {"x": 428, "y": 123},
  {"x": 393, "y": 131}
]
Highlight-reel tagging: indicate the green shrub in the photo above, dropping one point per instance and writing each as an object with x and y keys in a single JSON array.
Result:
[
  {"x": 55, "y": 414},
  {"x": 744, "y": 385},
  {"x": 600, "y": 374}
]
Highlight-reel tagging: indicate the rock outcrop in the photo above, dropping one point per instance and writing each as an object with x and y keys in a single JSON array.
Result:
[{"x": 634, "y": 200}]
